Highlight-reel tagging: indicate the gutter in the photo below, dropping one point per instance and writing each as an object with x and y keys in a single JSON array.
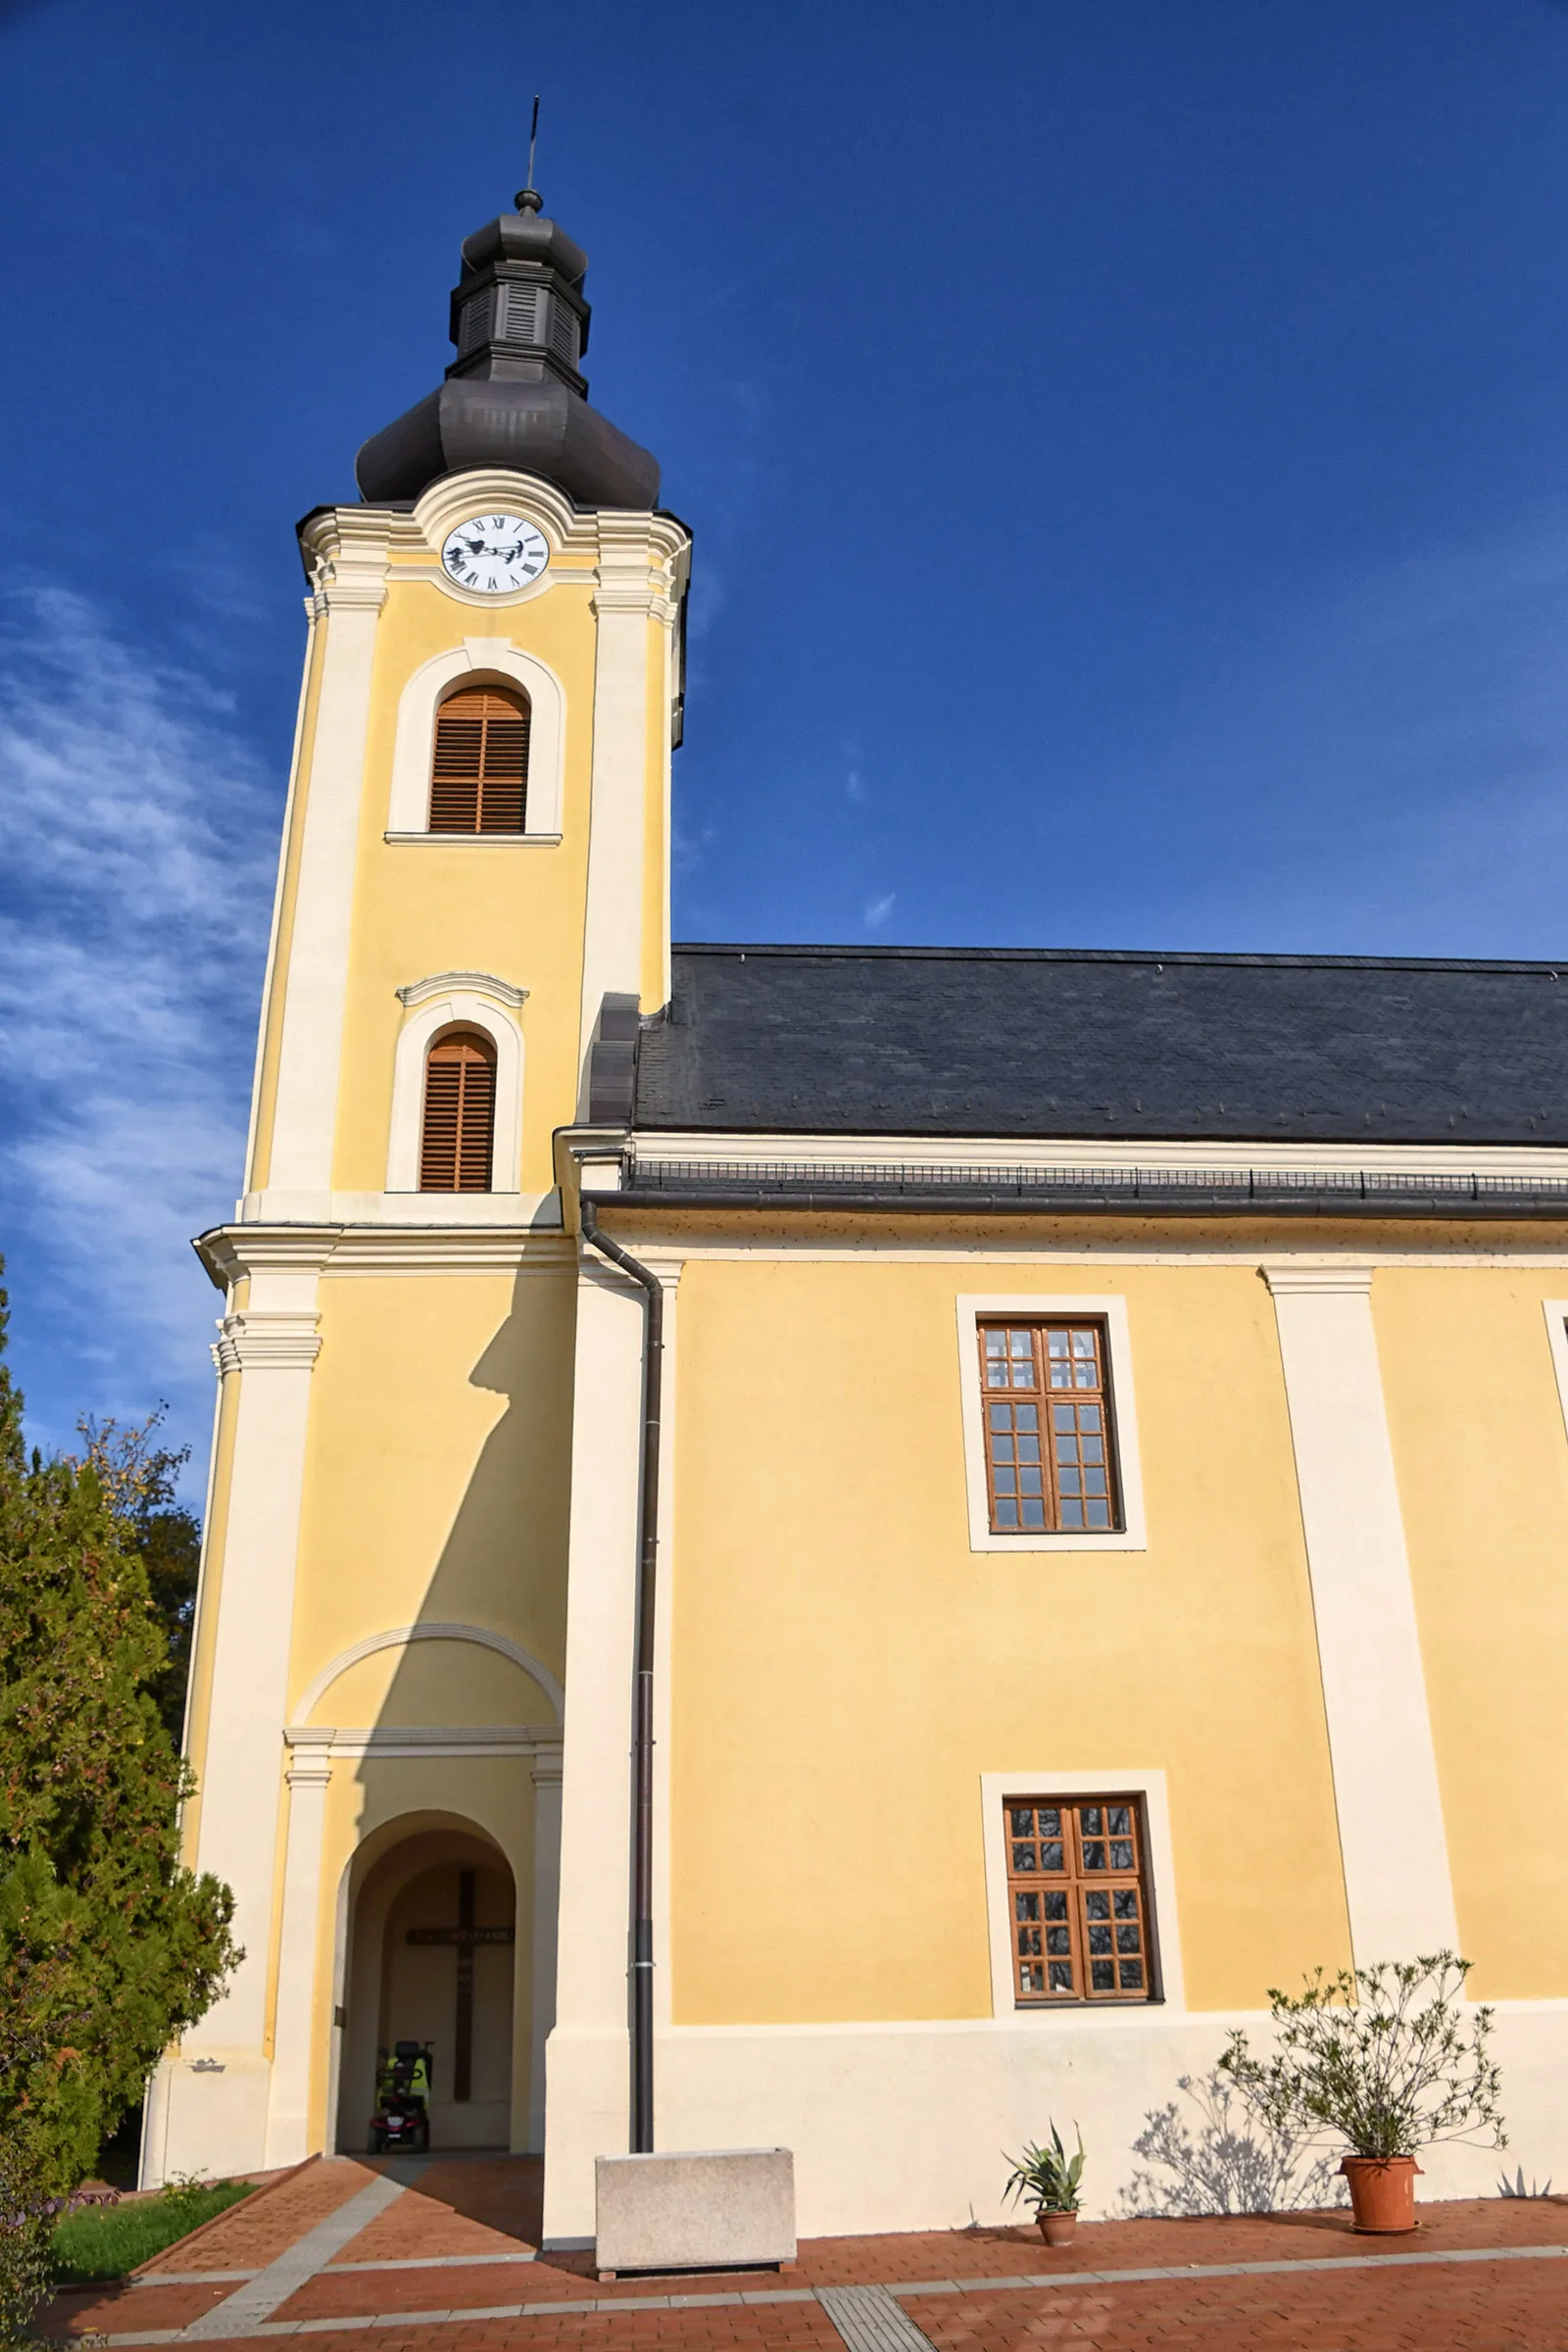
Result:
[
  {"x": 642, "y": 1876},
  {"x": 1467, "y": 1199}
]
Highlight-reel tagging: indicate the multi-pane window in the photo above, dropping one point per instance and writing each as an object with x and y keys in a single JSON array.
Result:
[
  {"x": 1049, "y": 1451},
  {"x": 1077, "y": 1900},
  {"x": 457, "y": 1135},
  {"x": 479, "y": 768}
]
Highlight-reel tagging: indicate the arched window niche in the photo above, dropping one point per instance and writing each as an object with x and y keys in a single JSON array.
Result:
[
  {"x": 460, "y": 1050},
  {"x": 478, "y": 665},
  {"x": 480, "y": 765},
  {"x": 457, "y": 1132}
]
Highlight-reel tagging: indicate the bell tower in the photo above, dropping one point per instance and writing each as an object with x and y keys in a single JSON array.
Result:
[{"x": 475, "y": 853}]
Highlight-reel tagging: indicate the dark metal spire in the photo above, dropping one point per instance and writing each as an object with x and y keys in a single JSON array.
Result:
[
  {"x": 514, "y": 395},
  {"x": 528, "y": 199}
]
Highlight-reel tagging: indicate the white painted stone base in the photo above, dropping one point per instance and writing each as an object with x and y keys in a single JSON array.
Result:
[
  {"x": 205, "y": 2115},
  {"x": 904, "y": 2127},
  {"x": 694, "y": 2211}
]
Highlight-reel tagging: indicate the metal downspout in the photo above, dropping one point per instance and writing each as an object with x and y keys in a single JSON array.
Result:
[{"x": 642, "y": 1876}]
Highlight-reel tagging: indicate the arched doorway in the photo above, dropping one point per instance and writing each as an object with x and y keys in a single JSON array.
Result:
[{"x": 432, "y": 1958}]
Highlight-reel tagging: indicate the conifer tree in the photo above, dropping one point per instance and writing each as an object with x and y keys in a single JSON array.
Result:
[{"x": 109, "y": 1948}]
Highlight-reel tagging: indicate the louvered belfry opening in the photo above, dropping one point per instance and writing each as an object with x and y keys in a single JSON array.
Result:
[
  {"x": 458, "y": 1138},
  {"x": 479, "y": 774}
]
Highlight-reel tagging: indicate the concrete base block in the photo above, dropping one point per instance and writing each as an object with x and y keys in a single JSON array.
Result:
[{"x": 713, "y": 2208}]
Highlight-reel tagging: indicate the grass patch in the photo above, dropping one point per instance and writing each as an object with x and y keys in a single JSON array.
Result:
[{"x": 106, "y": 2241}]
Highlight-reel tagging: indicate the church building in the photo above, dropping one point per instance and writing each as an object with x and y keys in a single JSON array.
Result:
[{"x": 842, "y": 1549}]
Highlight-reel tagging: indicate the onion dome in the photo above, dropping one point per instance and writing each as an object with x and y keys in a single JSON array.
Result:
[{"x": 514, "y": 395}]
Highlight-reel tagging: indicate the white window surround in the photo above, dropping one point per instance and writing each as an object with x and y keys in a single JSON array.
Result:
[
  {"x": 974, "y": 1308},
  {"x": 1160, "y": 1871},
  {"x": 450, "y": 1000},
  {"x": 477, "y": 658}
]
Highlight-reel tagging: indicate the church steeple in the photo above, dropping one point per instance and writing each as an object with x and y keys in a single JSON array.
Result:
[{"x": 515, "y": 396}]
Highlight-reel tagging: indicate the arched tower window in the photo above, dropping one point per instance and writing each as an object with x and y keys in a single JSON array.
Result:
[
  {"x": 479, "y": 771},
  {"x": 456, "y": 1139}
]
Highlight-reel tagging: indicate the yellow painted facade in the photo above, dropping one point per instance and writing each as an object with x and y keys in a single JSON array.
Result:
[
  {"x": 846, "y": 1668},
  {"x": 1327, "y": 1654}
]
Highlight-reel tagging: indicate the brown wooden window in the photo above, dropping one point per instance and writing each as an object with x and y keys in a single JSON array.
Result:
[
  {"x": 457, "y": 1136},
  {"x": 1050, "y": 1457},
  {"x": 1078, "y": 1901},
  {"x": 479, "y": 771}
]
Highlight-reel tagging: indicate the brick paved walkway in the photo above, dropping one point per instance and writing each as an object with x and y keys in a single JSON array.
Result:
[{"x": 451, "y": 2264}]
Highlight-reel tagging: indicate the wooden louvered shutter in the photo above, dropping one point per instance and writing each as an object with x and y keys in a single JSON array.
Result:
[
  {"x": 459, "y": 1116},
  {"x": 479, "y": 774}
]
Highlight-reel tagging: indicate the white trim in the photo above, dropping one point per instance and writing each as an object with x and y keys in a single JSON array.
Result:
[
  {"x": 1392, "y": 1844},
  {"x": 403, "y": 1245},
  {"x": 1556, "y": 1315},
  {"x": 743, "y": 1151},
  {"x": 383, "y": 1739},
  {"x": 314, "y": 980},
  {"x": 484, "y": 1003},
  {"x": 1143, "y": 1782},
  {"x": 500, "y": 1212},
  {"x": 274, "y": 971},
  {"x": 1133, "y": 1535},
  {"x": 584, "y": 2116},
  {"x": 505, "y": 992},
  {"x": 395, "y": 1638},
  {"x": 546, "y": 1777},
  {"x": 294, "y": 2013},
  {"x": 456, "y": 497},
  {"x": 476, "y": 841},
  {"x": 409, "y": 804},
  {"x": 272, "y": 1348}
]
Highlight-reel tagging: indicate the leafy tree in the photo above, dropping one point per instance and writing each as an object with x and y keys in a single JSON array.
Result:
[
  {"x": 139, "y": 1479},
  {"x": 109, "y": 1948}
]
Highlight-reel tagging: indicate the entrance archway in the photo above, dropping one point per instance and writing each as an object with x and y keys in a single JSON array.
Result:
[{"x": 432, "y": 1958}]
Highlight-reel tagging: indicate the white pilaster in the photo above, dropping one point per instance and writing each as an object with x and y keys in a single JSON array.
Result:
[
  {"x": 288, "y": 2103},
  {"x": 546, "y": 1909},
  {"x": 630, "y": 592},
  {"x": 588, "y": 2110},
  {"x": 270, "y": 1349},
  {"x": 1392, "y": 1839},
  {"x": 316, "y": 980}
]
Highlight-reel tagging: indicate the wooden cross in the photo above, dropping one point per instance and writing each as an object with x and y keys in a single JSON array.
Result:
[{"x": 465, "y": 1935}]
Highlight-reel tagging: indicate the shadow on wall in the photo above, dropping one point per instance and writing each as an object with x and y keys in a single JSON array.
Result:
[
  {"x": 470, "y": 1887},
  {"x": 1218, "y": 2155}
]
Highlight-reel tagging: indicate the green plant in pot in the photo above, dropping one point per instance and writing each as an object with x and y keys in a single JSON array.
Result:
[
  {"x": 1048, "y": 2179},
  {"x": 1386, "y": 2059}
]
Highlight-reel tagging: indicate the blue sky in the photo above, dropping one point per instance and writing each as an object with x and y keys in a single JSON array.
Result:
[{"x": 1126, "y": 442}]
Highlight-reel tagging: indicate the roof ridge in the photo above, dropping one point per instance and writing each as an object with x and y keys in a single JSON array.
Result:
[{"x": 1285, "y": 961}]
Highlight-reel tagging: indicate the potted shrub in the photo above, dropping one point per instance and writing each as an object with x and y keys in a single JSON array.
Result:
[
  {"x": 1382, "y": 2058},
  {"x": 1048, "y": 2179}
]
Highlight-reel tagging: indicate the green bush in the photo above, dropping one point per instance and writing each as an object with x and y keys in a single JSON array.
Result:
[
  {"x": 107, "y": 2240},
  {"x": 1385, "y": 2058}
]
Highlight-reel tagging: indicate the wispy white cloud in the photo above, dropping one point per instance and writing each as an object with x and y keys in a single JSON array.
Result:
[
  {"x": 139, "y": 837},
  {"x": 855, "y": 785},
  {"x": 877, "y": 911}
]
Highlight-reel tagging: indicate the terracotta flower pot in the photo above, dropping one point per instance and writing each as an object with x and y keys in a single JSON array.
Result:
[
  {"x": 1382, "y": 2190},
  {"x": 1056, "y": 2227}
]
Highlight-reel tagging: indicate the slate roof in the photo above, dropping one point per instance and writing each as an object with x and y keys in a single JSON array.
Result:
[{"x": 1061, "y": 1041}]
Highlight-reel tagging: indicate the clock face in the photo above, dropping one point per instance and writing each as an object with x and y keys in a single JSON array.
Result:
[{"x": 495, "y": 552}]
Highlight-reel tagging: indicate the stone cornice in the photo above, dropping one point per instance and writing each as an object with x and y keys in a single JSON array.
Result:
[
  {"x": 231, "y": 1252},
  {"x": 267, "y": 1340},
  {"x": 347, "y": 548}
]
